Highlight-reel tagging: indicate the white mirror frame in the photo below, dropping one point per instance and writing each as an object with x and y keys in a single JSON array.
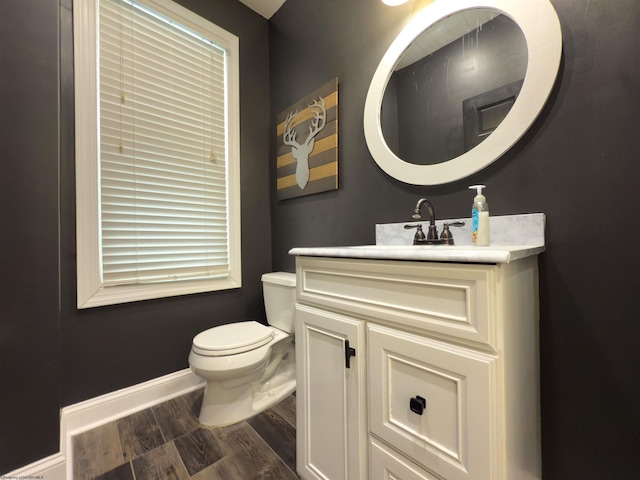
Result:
[{"x": 541, "y": 28}]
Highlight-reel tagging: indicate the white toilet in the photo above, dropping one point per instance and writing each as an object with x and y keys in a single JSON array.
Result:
[{"x": 248, "y": 366}]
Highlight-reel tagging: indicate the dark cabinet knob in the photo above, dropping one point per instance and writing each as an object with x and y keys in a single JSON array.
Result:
[{"x": 417, "y": 405}]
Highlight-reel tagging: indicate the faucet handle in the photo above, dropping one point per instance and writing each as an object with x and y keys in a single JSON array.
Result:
[
  {"x": 432, "y": 234},
  {"x": 454, "y": 224},
  {"x": 446, "y": 235},
  {"x": 419, "y": 236}
]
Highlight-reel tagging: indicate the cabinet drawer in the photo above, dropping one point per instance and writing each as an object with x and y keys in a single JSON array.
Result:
[
  {"x": 450, "y": 300},
  {"x": 385, "y": 464},
  {"x": 452, "y": 435}
]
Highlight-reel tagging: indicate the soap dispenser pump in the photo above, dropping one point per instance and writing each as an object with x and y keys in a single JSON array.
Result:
[{"x": 480, "y": 217}]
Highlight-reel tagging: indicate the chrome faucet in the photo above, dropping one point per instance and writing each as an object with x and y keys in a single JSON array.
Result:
[{"x": 432, "y": 235}]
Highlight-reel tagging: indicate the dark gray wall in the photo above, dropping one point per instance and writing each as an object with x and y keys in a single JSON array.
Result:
[
  {"x": 578, "y": 164},
  {"x": 107, "y": 348},
  {"x": 51, "y": 354},
  {"x": 29, "y": 305}
]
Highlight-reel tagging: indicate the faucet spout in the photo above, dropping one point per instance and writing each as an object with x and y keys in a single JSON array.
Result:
[{"x": 433, "y": 232}]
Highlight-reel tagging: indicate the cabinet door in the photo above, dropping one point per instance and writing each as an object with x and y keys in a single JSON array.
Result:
[
  {"x": 331, "y": 422},
  {"x": 434, "y": 402}
]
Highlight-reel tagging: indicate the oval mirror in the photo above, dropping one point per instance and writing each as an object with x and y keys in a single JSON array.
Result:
[{"x": 459, "y": 86}]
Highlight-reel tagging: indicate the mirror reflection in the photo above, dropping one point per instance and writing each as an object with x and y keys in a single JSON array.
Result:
[{"x": 453, "y": 86}]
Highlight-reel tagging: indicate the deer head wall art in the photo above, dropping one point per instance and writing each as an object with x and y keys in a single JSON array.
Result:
[
  {"x": 302, "y": 150},
  {"x": 308, "y": 144}
]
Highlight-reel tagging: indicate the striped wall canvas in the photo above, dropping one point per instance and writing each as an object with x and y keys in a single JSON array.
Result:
[{"x": 307, "y": 144}]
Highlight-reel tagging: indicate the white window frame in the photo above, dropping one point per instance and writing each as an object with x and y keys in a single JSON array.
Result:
[{"x": 90, "y": 289}]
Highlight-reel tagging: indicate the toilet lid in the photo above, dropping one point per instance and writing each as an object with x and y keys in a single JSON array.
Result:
[{"x": 232, "y": 338}]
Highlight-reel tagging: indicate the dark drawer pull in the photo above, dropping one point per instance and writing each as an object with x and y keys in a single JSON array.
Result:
[{"x": 417, "y": 405}]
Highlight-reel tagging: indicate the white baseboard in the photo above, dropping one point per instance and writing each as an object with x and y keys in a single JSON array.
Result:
[
  {"x": 49, "y": 468},
  {"x": 97, "y": 411}
]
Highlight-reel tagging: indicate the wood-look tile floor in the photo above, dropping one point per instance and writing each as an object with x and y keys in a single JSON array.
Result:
[{"x": 167, "y": 442}]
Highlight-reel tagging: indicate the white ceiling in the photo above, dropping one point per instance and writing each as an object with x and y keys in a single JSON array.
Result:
[{"x": 266, "y": 8}]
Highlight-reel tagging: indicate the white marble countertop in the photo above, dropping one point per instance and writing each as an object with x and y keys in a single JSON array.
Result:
[
  {"x": 512, "y": 237},
  {"x": 427, "y": 253}
]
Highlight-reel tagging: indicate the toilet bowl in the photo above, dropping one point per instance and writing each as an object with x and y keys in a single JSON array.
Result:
[{"x": 248, "y": 366}]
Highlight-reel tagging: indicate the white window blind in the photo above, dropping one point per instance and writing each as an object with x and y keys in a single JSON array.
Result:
[
  {"x": 163, "y": 152},
  {"x": 157, "y": 152}
]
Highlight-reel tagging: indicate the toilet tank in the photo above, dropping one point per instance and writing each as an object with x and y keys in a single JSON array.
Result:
[{"x": 279, "y": 290}]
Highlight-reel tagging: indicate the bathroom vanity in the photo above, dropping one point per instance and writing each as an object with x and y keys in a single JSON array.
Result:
[{"x": 417, "y": 363}]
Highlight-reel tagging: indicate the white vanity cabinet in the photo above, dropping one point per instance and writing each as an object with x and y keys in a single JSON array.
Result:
[{"x": 442, "y": 379}]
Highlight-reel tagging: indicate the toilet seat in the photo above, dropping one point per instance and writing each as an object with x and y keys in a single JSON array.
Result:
[{"x": 232, "y": 339}]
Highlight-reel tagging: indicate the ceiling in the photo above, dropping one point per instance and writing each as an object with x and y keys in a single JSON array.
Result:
[{"x": 266, "y": 8}]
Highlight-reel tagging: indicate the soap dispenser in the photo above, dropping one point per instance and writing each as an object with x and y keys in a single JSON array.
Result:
[{"x": 479, "y": 217}]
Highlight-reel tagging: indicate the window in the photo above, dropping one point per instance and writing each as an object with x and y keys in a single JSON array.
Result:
[{"x": 157, "y": 152}]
